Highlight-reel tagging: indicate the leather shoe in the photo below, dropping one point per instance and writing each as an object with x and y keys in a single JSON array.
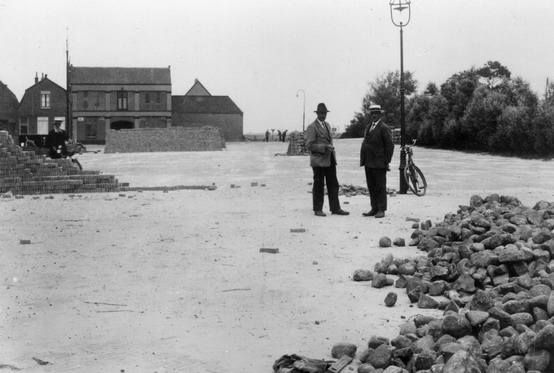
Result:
[
  {"x": 319, "y": 213},
  {"x": 380, "y": 214},
  {"x": 370, "y": 213},
  {"x": 340, "y": 212}
]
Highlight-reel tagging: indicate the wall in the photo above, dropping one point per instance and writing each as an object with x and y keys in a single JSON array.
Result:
[
  {"x": 136, "y": 140},
  {"x": 230, "y": 124}
]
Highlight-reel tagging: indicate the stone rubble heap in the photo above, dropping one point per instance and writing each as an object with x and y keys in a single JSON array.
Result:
[
  {"x": 297, "y": 144},
  {"x": 350, "y": 190},
  {"x": 25, "y": 172},
  {"x": 489, "y": 269}
]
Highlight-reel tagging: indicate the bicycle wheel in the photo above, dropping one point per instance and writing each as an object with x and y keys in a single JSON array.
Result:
[
  {"x": 76, "y": 162},
  {"x": 415, "y": 180}
]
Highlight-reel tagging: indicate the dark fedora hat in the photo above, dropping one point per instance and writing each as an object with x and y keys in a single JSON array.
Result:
[{"x": 321, "y": 108}]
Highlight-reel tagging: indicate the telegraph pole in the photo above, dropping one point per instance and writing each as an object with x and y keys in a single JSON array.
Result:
[{"x": 68, "y": 112}]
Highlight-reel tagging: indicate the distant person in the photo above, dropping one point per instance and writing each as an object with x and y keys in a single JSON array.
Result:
[
  {"x": 56, "y": 138},
  {"x": 279, "y": 135},
  {"x": 266, "y": 136},
  {"x": 284, "y": 136},
  {"x": 323, "y": 161},
  {"x": 375, "y": 156}
]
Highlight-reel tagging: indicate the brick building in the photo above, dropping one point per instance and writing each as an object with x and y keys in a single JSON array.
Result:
[
  {"x": 106, "y": 98},
  {"x": 199, "y": 108},
  {"x": 8, "y": 110},
  {"x": 41, "y": 104}
]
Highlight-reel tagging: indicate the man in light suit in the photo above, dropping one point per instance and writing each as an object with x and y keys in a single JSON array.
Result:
[
  {"x": 375, "y": 155},
  {"x": 323, "y": 161}
]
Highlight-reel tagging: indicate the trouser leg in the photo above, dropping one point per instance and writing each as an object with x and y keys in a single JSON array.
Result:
[
  {"x": 333, "y": 188},
  {"x": 318, "y": 191},
  {"x": 381, "y": 189},
  {"x": 371, "y": 187},
  {"x": 377, "y": 185}
]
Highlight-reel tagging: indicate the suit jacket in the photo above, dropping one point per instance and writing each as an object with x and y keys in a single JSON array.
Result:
[
  {"x": 316, "y": 140},
  {"x": 377, "y": 147}
]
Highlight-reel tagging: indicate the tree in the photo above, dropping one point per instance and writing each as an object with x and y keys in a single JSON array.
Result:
[
  {"x": 543, "y": 131},
  {"x": 458, "y": 90},
  {"x": 431, "y": 89},
  {"x": 384, "y": 91},
  {"x": 494, "y": 73},
  {"x": 426, "y": 118},
  {"x": 356, "y": 127},
  {"x": 480, "y": 120}
]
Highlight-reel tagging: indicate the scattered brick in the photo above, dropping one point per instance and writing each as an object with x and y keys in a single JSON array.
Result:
[{"x": 269, "y": 250}]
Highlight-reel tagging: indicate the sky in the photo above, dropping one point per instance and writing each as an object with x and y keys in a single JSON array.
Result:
[{"x": 271, "y": 56}]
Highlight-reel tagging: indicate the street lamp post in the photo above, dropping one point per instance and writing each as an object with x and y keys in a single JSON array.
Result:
[
  {"x": 303, "y": 109},
  {"x": 401, "y": 21}
]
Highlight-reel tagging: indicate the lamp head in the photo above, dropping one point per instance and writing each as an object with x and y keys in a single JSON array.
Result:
[{"x": 398, "y": 17}]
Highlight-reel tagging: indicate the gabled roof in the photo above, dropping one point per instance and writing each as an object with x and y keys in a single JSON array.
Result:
[
  {"x": 43, "y": 81},
  {"x": 120, "y": 75},
  {"x": 197, "y": 89},
  {"x": 8, "y": 102},
  {"x": 6, "y": 93},
  {"x": 204, "y": 105}
]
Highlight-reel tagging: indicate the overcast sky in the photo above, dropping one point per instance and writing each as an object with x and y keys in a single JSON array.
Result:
[{"x": 261, "y": 52}]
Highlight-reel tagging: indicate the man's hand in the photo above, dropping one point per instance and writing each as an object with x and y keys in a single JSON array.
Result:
[
  {"x": 388, "y": 167},
  {"x": 330, "y": 147}
]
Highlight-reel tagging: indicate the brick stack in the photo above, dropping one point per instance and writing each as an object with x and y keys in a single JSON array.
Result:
[
  {"x": 25, "y": 172},
  {"x": 297, "y": 144},
  {"x": 174, "y": 139}
]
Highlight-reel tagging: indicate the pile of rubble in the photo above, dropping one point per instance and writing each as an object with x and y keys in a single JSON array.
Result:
[
  {"x": 297, "y": 144},
  {"x": 350, "y": 190},
  {"x": 489, "y": 269},
  {"x": 25, "y": 172}
]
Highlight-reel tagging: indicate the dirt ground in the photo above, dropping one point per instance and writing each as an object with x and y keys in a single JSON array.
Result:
[{"x": 174, "y": 281}]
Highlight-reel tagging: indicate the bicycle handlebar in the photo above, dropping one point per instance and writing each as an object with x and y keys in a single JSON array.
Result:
[{"x": 408, "y": 146}]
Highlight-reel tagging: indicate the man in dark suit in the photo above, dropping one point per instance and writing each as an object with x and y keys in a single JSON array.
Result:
[
  {"x": 375, "y": 155},
  {"x": 323, "y": 161},
  {"x": 56, "y": 140}
]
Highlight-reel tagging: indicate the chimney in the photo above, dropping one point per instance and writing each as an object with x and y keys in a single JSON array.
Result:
[
  {"x": 45, "y": 76},
  {"x": 36, "y": 77},
  {"x": 41, "y": 76}
]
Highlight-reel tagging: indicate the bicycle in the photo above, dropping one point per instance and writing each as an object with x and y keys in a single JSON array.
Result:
[
  {"x": 69, "y": 150},
  {"x": 412, "y": 174}
]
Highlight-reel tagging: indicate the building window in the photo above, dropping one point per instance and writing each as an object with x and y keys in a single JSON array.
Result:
[
  {"x": 90, "y": 128},
  {"x": 147, "y": 98},
  {"x": 158, "y": 97},
  {"x": 42, "y": 126},
  {"x": 45, "y": 99},
  {"x": 24, "y": 125},
  {"x": 122, "y": 100}
]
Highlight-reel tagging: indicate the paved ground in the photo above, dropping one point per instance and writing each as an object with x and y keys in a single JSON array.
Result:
[{"x": 172, "y": 282}]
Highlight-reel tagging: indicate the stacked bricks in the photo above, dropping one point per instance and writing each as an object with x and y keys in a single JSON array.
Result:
[
  {"x": 25, "y": 172},
  {"x": 297, "y": 145},
  {"x": 174, "y": 139}
]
